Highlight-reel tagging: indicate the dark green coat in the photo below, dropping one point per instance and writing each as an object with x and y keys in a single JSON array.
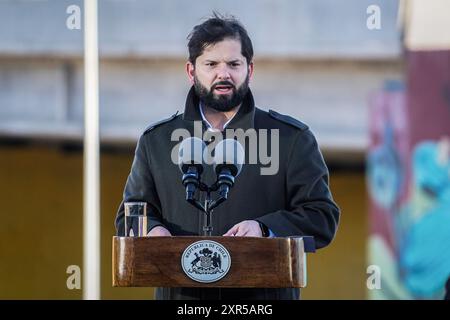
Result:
[{"x": 294, "y": 202}]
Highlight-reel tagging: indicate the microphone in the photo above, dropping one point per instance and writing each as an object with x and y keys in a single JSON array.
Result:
[
  {"x": 190, "y": 162},
  {"x": 229, "y": 156}
]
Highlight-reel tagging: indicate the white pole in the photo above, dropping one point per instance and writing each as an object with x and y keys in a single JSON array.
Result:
[{"x": 91, "y": 184}]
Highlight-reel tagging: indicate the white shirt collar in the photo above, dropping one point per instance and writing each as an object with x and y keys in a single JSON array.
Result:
[{"x": 210, "y": 127}]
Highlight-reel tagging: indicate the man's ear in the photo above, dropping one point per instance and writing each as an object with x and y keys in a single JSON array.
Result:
[
  {"x": 250, "y": 70},
  {"x": 190, "y": 70}
]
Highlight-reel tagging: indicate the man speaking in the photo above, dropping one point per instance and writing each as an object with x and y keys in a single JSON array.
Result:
[{"x": 290, "y": 197}]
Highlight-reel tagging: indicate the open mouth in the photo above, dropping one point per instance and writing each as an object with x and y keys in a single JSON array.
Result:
[{"x": 223, "y": 89}]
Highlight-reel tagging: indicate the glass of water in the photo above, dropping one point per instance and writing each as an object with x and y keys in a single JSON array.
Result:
[{"x": 135, "y": 219}]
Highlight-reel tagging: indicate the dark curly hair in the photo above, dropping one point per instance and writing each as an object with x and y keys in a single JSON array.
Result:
[{"x": 216, "y": 29}]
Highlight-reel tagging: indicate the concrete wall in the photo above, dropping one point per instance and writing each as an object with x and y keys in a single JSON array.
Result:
[
  {"x": 153, "y": 28},
  {"x": 315, "y": 60},
  {"x": 45, "y": 98}
]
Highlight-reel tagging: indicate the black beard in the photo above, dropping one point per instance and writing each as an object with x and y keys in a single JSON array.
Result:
[{"x": 221, "y": 103}]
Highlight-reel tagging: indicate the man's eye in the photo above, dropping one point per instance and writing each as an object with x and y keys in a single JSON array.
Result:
[{"x": 210, "y": 64}]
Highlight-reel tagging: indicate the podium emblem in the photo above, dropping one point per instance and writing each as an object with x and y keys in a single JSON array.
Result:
[{"x": 206, "y": 261}]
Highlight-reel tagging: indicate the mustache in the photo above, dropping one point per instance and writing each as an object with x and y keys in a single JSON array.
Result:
[{"x": 223, "y": 83}]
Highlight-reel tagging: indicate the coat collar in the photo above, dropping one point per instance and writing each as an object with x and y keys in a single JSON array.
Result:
[{"x": 244, "y": 119}]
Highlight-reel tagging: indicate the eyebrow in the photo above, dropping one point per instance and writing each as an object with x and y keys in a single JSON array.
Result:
[{"x": 231, "y": 61}]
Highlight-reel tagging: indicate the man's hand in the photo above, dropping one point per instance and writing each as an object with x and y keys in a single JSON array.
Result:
[
  {"x": 159, "y": 231},
  {"x": 247, "y": 228}
]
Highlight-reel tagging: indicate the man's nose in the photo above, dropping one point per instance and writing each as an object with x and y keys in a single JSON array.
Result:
[{"x": 223, "y": 73}]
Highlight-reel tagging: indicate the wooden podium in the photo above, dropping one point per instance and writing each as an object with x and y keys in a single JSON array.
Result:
[{"x": 253, "y": 262}]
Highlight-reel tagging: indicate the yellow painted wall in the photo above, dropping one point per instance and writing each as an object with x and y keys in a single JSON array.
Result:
[
  {"x": 339, "y": 270},
  {"x": 41, "y": 227}
]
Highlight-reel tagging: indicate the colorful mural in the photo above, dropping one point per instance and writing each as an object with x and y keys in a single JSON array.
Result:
[{"x": 408, "y": 176}]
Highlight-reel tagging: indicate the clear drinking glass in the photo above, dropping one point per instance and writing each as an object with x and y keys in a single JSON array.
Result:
[{"x": 135, "y": 219}]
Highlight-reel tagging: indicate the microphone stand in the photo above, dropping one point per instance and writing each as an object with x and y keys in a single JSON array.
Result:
[
  {"x": 208, "y": 206},
  {"x": 207, "y": 228}
]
